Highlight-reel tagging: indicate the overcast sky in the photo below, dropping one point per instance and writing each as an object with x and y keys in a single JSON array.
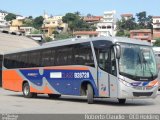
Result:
[{"x": 94, "y": 7}]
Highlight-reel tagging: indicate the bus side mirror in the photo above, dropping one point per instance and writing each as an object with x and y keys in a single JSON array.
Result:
[{"x": 118, "y": 51}]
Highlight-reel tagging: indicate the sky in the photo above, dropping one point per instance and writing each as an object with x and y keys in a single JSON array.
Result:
[{"x": 95, "y": 7}]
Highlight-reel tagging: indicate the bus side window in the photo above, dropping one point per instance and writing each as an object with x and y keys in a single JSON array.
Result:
[
  {"x": 113, "y": 63},
  {"x": 82, "y": 54},
  {"x": 102, "y": 51},
  {"x": 103, "y": 60}
]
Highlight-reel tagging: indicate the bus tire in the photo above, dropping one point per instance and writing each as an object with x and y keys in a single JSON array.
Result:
[
  {"x": 122, "y": 101},
  {"x": 90, "y": 94},
  {"x": 26, "y": 91},
  {"x": 54, "y": 96}
]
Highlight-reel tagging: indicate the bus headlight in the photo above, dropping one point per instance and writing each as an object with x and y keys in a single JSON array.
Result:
[{"x": 125, "y": 83}]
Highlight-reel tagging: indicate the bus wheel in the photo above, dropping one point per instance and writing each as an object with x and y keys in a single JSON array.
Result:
[
  {"x": 26, "y": 91},
  {"x": 54, "y": 95},
  {"x": 90, "y": 94},
  {"x": 122, "y": 101}
]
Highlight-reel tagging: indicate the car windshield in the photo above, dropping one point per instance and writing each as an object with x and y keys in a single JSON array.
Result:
[{"x": 137, "y": 61}]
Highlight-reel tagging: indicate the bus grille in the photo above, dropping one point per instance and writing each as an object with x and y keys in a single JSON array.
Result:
[
  {"x": 137, "y": 94},
  {"x": 142, "y": 88}
]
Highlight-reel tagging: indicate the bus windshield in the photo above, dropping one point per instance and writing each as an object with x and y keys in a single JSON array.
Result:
[{"x": 137, "y": 62}]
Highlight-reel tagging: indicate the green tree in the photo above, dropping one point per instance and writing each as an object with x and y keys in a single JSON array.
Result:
[
  {"x": 77, "y": 13},
  {"x": 149, "y": 22},
  {"x": 141, "y": 18},
  {"x": 62, "y": 36},
  {"x": 75, "y": 22},
  {"x": 129, "y": 24},
  {"x": 80, "y": 25},
  {"x": 10, "y": 17},
  {"x": 157, "y": 43},
  {"x": 120, "y": 33},
  {"x": 28, "y": 23},
  {"x": 36, "y": 32},
  {"x": 126, "y": 33},
  {"x": 70, "y": 17},
  {"x": 93, "y": 27},
  {"x": 37, "y": 22},
  {"x": 55, "y": 32},
  {"x": 48, "y": 39},
  {"x": 144, "y": 21},
  {"x": 89, "y": 15},
  {"x": 30, "y": 17},
  {"x": 124, "y": 26}
]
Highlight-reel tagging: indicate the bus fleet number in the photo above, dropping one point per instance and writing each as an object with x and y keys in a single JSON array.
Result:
[{"x": 81, "y": 75}]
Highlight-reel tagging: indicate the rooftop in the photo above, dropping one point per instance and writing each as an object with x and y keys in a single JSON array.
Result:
[
  {"x": 92, "y": 18},
  {"x": 126, "y": 15},
  {"x": 11, "y": 42},
  {"x": 155, "y": 16},
  {"x": 141, "y": 30},
  {"x": 85, "y": 33}
]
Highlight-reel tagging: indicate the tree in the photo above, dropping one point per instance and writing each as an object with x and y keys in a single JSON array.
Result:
[
  {"x": 69, "y": 17},
  {"x": 129, "y": 24},
  {"x": 75, "y": 22},
  {"x": 124, "y": 26},
  {"x": 28, "y": 23},
  {"x": 144, "y": 21},
  {"x": 37, "y": 22},
  {"x": 93, "y": 28},
  {"x": 141, "y": 18},
  {"x": 120, "y": 33},
  {"x": 36, "y": 32},
  {"x": 149, "y": 22},
  {"x": 89, "y": 15},
  {"x": 62, "y": 36},
  {"x": 30, "y": 17},
  {"x": 80, "y": 25},
  {"x": 55, "y": 32},
  {"x": 48, "y": 39},
  {"x": 10, "y": 17},
  {"x": 78, "y": 13},
  {"x": 157, "y": 43}
]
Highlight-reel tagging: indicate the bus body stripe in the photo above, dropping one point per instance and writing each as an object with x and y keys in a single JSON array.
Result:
[
  {"x": 66, "y": 68},
  {"x": 46, "y": 90},
  {"x": 57, "y": 68},
  {"x": 41, "y": 80}
]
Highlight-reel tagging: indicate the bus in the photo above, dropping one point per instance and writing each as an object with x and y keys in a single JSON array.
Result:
[{"x": 100, "y": 67}]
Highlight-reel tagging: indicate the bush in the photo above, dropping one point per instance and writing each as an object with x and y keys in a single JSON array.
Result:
[
  {"x": 157, "y": 43},
  {"x": 48, "y": 39}
]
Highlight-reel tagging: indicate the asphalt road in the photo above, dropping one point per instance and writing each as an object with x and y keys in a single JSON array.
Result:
[{"x": 13, "y": 102}]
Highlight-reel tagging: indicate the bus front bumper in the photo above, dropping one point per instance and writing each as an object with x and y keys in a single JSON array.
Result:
[{"x": 129, "y": 92}]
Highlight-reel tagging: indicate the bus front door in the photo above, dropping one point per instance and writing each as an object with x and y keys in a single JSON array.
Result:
[
  {"x": 113, "y": 81},
  {"x": 107, "y": 74}
]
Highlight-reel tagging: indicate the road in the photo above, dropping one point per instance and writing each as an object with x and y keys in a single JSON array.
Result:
[{"x": 13, "y": 102}]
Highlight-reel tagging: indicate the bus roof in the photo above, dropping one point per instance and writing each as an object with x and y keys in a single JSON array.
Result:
[{"x": 78, "y": 40}]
